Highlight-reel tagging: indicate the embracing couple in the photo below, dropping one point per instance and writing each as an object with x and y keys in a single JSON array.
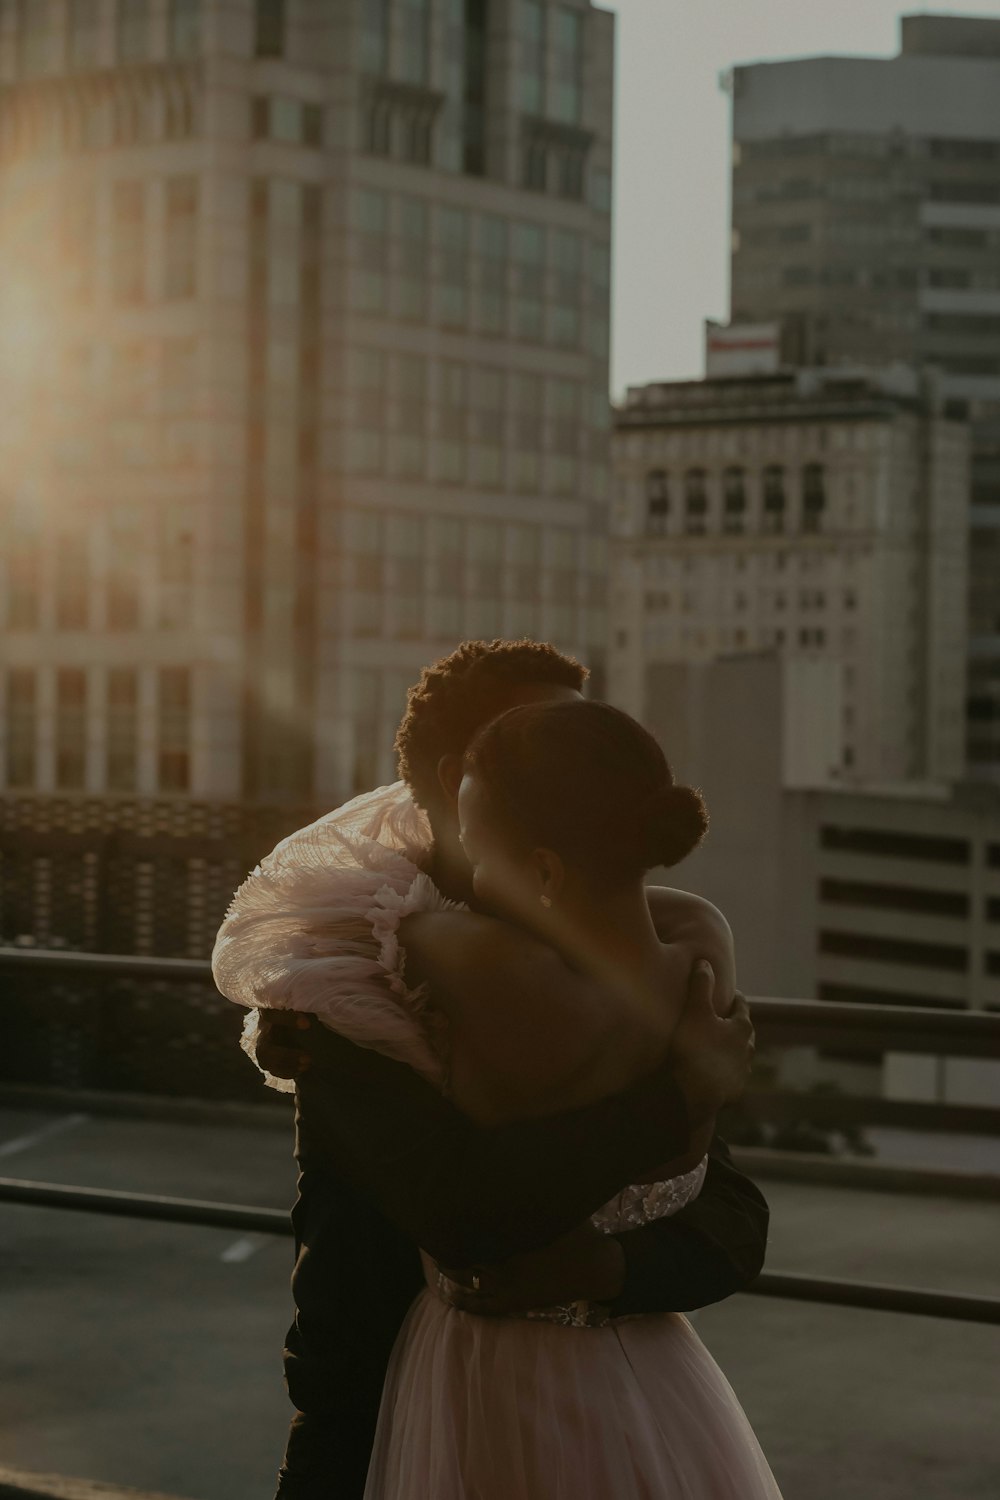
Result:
[{"x": 508, "y": 1054}]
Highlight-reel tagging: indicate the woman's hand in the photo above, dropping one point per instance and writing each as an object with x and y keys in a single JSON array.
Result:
[
  {"x": 584, "y": 1265},
  {"x": 278, "y": 1050},
  {"x": 713, "y": 1054}
]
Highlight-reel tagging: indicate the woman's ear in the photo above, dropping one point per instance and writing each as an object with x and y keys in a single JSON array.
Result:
[
  {"x": 551, "y": 873},
  {"x": 449, "y": 773}
]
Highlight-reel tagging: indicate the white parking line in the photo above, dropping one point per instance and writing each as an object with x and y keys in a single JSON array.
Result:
[
  {"x": 43, "y": 1133},
  {"x": 241, "y": 1250}
]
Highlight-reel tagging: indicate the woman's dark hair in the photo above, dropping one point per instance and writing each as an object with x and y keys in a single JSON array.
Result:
[{"x": 587, "y": 781}]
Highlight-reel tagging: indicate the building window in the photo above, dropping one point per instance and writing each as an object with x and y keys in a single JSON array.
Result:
[
  {"x": 571, "y": 172},
  {"x": 72, "y": 582},
  {"x": 84, "y": 33},
  {"x": 474, "y": 87},
  {"x": 33, "y": 38},
  {"x": 132, "y": 31},
  {"x": 528, "y": 254},
  {"x": 657, "y": 501},
  {"x": 414, "y": 52},
  {"x": 535, "y": 160},
  {"x": 122, "y": 736},
  {"x": 364, "y": 547},
  {"x": 527, "y": 396},
  {"x": 23, "y": 568},
  {"x": 366, "y": 432},
  {"x": 128, "y": 245},
  {"x": 416, "y": 129},
  {"x": 122, "y": 587},
  {"x": 567, "y": 290},
  {"x": 695, "y": 502},
  {"x": 734, "y": 500},
  {"x": 181, "y": 254},
  {"x": 486, "y": 393},
  {"x": 451, "y": 425},
  {"x": 375, "y": 36},
  {"x": 532, "y": 56},
  {"x": 454, "y": 238},
  {"x": 370, "y": 274},
  {"x": 774, "y": 499},
  {"x": 867, "y": 895},
  {"x": 567, "y": 99},
  {"x": 407, "y": 444},
  {"x": 269, "y": 28},
  {"x": 378, "y": 127},
  {"x": 492, "y": 274},
  {"x": 948, "y": 956},
  {"x": 176, "y": 569},
  {"x": 21, "y": 727},
  {"x": 413, "y": 259},
  {"x": 892, "y": 845},
  {"x": 564, "y": 423},
  {"x": 813, "y": 497},
  {"x": 174, "y": 729},
  {"x": 185, "y": 28},
  {"x": 71, "y": 728}
]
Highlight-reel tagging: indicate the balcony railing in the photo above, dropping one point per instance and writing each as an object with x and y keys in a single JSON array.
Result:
[{"x": 874, "y": 1028}]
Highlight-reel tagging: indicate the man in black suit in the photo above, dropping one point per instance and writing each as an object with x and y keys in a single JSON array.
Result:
[{"x": 387, "y": 1165}]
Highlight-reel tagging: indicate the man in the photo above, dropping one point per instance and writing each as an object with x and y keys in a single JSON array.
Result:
[{"x": 387, "y": 1164}]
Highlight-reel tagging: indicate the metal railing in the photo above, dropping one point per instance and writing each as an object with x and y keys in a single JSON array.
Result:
[
  {"x": 878, "y": 1028},
  {"x": 249, "y": 1219}
]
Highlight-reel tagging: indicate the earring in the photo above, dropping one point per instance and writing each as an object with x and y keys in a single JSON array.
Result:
[{"x": 546, "y": 901}]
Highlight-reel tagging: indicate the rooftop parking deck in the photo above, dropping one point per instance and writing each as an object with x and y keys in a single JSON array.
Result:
[{"x": 148, "y": 1354}]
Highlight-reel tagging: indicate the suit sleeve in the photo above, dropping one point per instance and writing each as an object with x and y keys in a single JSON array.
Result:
[
  {"x": 710, "y": 1249},
  {"x": 465, "y": 1193}
]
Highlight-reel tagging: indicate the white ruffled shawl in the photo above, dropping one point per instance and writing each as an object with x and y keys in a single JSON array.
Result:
[{"x": 315, "y": 928}]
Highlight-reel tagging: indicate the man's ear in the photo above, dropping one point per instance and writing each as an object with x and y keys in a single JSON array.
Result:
[
  {"x": 449, "y": 773},
  {"x": 550, "y": 870}
]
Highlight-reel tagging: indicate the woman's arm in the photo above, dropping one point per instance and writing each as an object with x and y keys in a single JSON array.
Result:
[
  {"x": 710, "y": 1249},
  {"x": 469, "y": 1194}
]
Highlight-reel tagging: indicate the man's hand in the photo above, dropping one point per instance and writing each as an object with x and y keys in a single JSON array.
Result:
[
  {"x": 279, "y": 1048},
  {"x": 712, "y": 1054},
  {"x": 583, "y": 1265}
]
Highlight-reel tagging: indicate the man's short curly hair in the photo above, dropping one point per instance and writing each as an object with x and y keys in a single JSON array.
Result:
[{"x": 460, "y": 693}]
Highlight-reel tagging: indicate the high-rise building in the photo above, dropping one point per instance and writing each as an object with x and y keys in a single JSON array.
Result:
[
  {"x": 866, "y": 220},
  {"x": 816, "y": 515},
  {"x": 304, "y": 316}
]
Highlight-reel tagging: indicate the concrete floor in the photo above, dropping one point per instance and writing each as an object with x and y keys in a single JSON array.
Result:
[{"x": 146, "y": 1354}]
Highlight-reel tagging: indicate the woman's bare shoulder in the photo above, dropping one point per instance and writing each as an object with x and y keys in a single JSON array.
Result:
[
  {"x": 521, "y": 1021},
  {"x": 463, "y": 952},
  {"x": 698, "y": 929}
]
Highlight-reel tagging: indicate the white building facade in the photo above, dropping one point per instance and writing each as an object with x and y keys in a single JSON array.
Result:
[
  {"x": 817, "y": 515},
  {"x": 303, "y": 365}
]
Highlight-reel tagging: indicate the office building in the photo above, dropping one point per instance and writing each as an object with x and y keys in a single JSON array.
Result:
[
  {"x": 817, "y": 514},
  {"x": 866, "y": 221},
  {"x": 303, "y": 370}
]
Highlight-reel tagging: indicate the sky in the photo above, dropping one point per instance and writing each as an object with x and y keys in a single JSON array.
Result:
[{"x": 672, "y": 153}]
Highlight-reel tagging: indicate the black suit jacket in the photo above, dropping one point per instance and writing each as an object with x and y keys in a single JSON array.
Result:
[{"x": 387, "y": 1165}]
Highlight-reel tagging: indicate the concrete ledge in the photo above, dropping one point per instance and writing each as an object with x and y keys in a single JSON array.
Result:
[
  {"x": 18, "y": 1484},
  {"x": 877, "y": 1176}
]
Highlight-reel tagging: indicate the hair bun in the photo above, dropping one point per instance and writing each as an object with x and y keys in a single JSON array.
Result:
[{"x": 676, "y": 821}]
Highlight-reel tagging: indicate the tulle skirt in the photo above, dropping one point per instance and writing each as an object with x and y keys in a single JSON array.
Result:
[{"x": 512, "y": 1409}]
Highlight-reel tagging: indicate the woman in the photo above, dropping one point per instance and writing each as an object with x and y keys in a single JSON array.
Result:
[{"x": 564, "y": 808}]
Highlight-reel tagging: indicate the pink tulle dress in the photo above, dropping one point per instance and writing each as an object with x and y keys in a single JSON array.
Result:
[{"x": 563, "y": 1403}]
